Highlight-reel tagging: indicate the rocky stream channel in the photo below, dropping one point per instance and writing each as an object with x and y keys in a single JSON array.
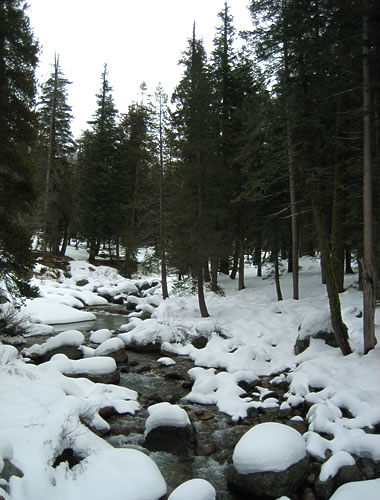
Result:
[{"x": 206, "y": 451}]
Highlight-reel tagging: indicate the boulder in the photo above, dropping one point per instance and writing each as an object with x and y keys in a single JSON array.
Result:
[
  {"x": 269, "y": 461},
  {"x": 268, "y": 485},
  {"x": 169, "y": 429}
]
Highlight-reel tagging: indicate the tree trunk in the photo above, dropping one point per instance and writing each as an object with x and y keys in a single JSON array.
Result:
[
  {"x": 241, "y": 265},
  {"x": 206, "y": 270},
  {"x": 50, "y": 157},
  {"x": 369, "y": 294},
  {"x": 257, "y": 260},
  {"x": 235, "y": 264},
  {"x": 277, "y": 275},
  {"x": 348, "y": 266},
  {"x": 339, "y": 327},
  {"x": 214, "y": 274},
  {"x": 201, "y": 295},
  {"x": 291, "y": 171},
  {"x": 66, "y": 239}
]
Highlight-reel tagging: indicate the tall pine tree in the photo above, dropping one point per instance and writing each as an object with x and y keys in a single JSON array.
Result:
[{"x": 18, "y": 60}]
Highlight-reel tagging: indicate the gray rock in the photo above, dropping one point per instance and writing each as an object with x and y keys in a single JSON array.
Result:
[
  {"x": 268, "y": 485},
  {"x": 302, "y": 344},
  {"x": 176, "y": 440},
  {"x": 82, "y": 282},
  {"x": 10, "y": 470}
]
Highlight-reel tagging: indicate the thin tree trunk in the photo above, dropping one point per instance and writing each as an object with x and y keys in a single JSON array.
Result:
[
  {"x": 235, "y": 264},
  {"x": 214, "y": 274},
  {"x": 66, "y": 239},
  {"x": 277, "y": 275},
  {"x": 348, "y": 266},
  {"x": 257, "y": 259},
  {"x": 50, "y": 157},
  {"x": 206, "y": 271},
  {"x": 291, "y": 170},
  {"x": 369, "y": 294},
  {"x": 241, "y": 265},
  {"x": 339, "y": 327}
]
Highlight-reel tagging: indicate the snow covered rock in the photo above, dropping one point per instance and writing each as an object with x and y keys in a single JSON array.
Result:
[
  {"x": 316, "y": 325},
  {"x": 368, "y": 490},
  {"x": 194, "y": 489},
  {"x": 97, "y": 369},
  {"x": 269, "y": 461},
  {"x": 42, "y": 310},
  {"x": 113, "y": 348},
  {"x": 100, "y": 336},
  {"x": 168, "y": 428},
  {"x": 67, "y": 343}
]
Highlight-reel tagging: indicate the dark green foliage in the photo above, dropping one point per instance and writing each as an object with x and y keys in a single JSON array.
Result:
[
  {"x": 54, "y": 155},
  {"x": 18, "y": 59}
]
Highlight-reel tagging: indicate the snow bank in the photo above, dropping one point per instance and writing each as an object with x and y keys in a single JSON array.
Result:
[
  {"x": 90, "y": 366},
  {"x": 268, "y": 447}
]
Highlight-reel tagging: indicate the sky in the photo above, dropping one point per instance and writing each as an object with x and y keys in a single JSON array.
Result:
[{"x": 140, "y": 40}]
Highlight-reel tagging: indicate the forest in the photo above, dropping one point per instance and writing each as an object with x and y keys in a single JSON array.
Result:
[{"x": 268, "y": 145}]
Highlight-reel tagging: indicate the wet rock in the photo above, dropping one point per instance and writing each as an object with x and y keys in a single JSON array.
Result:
[
  {"x": 324, "y": 489},
  {"x": 199, "y": 342},
  {"x": 83, "y": 282},
  {"x": 172, "y": 439},
  {"x": 346, "y": 474},
  {"x": 72, "y": 352},
  {"x": 308, "y": 494},
  {"x": 10, "y": 470},
  {"x": 268, "y": 484},
  {"x": 107, "y": 411}
]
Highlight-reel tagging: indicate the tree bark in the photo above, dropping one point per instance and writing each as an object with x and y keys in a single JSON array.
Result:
[
  {"x": 277, "y": 275},
  {"x": 241, "y": 285},
  {"x": 339, "y": 327},
  {"x": 214, "y": 274},
  {"x": 50, "y": 156},
  {"x": 369, "y": 294},
  {"x": 235, "y": 264}
]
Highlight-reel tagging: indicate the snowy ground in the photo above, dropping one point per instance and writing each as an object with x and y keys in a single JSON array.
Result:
[{"x": 251, "y": 334}]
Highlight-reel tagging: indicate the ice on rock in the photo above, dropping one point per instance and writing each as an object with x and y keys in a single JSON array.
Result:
[
  {"x": 268, "y": 446},
  {"x": 194, "y": 489},
  {"x": 165, "y": 414}
]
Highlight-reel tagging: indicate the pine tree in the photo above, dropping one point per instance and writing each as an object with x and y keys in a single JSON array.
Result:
[
  {"x": 55, "y": 148},
  {"x": 193, "y": 125},
  {"x": 18, "y": 60},
  {"x": 98, "y": 155}
]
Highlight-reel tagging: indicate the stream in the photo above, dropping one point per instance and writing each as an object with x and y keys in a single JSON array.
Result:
[{"x": 216, "y": 433}]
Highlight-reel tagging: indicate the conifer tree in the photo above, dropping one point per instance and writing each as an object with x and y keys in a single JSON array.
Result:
[
  {"x": 193, "y": 125},
  {"x": 55, "y": 148},
  {"x": 98, "y": 160},
  {"x": 18, "y": 60}
]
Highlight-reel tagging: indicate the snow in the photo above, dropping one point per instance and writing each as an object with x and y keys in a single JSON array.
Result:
[
  {"x": 67, "y": 338},
  {"x": 90, "y": 366},
  {"x": 249, "y": 334},
  {"x": 269, "y": 446},
  {"x": 100, "y": 336},
  {"x": 165, "y": 414},
  {"x": 334, "y": 463},
  {"x": 368, "y": 490},
  {"x": 109, "y": 346},
  {"x": 165, "y": 361},
  {"x": 42, "y": 310},
  {"x": 194, "y": 489}
]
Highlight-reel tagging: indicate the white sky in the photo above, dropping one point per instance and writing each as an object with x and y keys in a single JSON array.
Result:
[{"x": 140, "y": 40}]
